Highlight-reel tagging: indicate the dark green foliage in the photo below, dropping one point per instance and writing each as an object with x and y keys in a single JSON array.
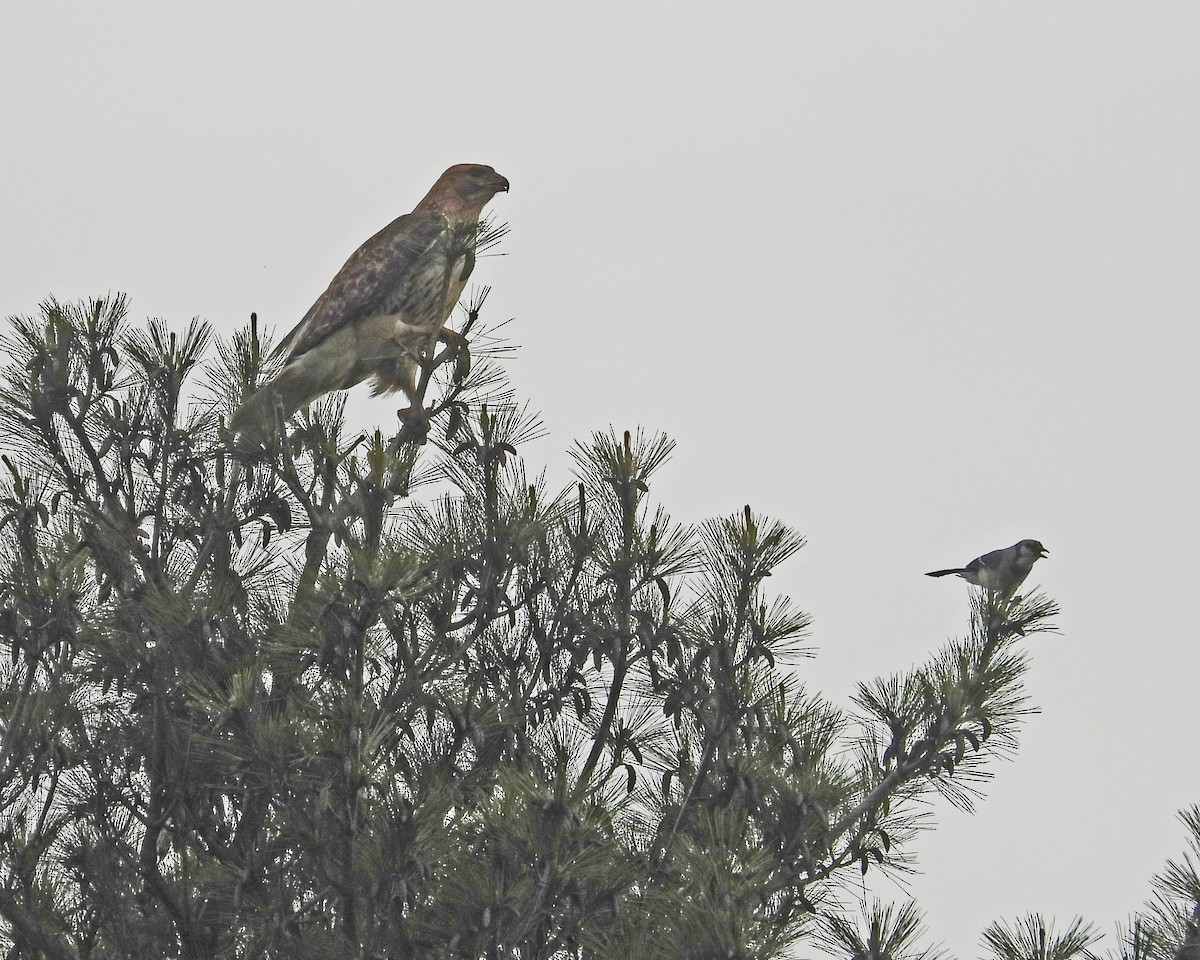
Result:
[
  {"x": 1029, "y": 939},
  {"x": 884, "y": 932},
  {"x": 370, "y": 697},
  {"x": 1169, "y": 928}
]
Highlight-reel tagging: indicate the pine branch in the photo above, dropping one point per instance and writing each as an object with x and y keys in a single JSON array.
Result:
[{"x": 31, "y": 929}]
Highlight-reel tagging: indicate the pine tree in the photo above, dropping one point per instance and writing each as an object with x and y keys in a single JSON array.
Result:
[{"x": 368, "y": 696}]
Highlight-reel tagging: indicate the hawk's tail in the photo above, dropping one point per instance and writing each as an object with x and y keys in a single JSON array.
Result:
[
  {"x": 256, "y": 417},
  {"x": 295, "y": 386}
]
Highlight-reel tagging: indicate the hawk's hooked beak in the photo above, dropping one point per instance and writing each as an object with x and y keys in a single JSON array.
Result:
[{"x": 501, "y": 184}]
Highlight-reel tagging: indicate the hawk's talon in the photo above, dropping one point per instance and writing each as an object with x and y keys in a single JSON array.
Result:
[
  {"x": 462, "y": 364},
  {"x": 415, "y": 423}
]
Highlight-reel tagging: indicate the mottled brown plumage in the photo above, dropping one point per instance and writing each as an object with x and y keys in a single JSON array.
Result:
[{"x": 387, "y": 305}]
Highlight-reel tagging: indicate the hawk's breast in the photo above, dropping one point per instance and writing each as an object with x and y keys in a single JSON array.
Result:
[{"x": 431, "y": 288}]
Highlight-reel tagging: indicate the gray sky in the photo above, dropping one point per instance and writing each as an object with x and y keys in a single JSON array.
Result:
[{"x": 919, "y": 279}]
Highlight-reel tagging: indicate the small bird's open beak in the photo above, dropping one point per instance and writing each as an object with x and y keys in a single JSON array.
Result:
[{"x": 1044, "y": 553}]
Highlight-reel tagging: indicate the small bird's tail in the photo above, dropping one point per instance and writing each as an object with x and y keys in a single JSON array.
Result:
[{"x": 945, "y": 573}]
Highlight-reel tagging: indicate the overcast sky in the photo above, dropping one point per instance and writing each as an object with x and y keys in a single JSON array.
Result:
[{"x": 919, "y": 279}]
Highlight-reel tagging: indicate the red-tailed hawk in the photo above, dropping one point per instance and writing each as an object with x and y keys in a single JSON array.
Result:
[{"x": 386, "y": 306}]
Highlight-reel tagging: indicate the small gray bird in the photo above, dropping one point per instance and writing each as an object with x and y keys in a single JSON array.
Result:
[{"x": 1000, "y": 571}]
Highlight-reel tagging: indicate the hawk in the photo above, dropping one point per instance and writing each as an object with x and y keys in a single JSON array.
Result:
[{"x": 386, "y": 306}]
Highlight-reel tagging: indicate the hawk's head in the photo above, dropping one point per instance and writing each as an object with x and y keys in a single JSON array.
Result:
[{"x": 461, "y": 191}]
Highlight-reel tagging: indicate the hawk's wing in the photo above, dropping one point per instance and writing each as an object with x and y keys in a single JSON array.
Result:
[{"x": 372, "y": 275}]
